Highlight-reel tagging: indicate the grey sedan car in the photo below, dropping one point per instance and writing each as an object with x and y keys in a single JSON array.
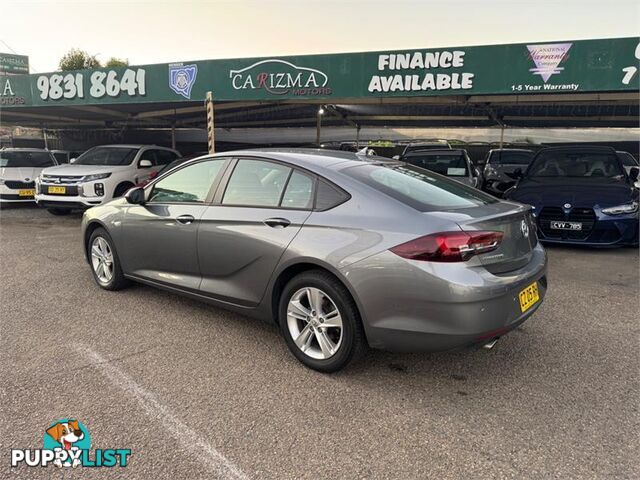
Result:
[{"x": 339, "y": 250}]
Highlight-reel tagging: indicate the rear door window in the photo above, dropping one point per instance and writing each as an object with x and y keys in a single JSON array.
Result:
[
  {"x": 299, "y": 192},
  {"x": 256, "y": 183}
]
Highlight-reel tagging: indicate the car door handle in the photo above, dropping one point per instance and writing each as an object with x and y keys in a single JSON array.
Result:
[
  {"x": 185, "y": 219},
  {"x": 277, "y": 222}
]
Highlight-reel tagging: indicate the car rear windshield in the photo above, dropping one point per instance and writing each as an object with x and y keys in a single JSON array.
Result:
[
  {"x": 575, "y": 165},
  {"x": 418, "y": 188},
  {"x": 449, "y": 164},
  {"x": 627, "y": 159},
  {"x": 25, "y": 159},
  {"x": 510, "y": 158},
  {"x": 111, "y": 156}
]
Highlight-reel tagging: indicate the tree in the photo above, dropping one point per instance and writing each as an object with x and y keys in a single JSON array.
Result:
[
  {"x": 115, "y": 62},
  {"x": 76, "y": 59}
]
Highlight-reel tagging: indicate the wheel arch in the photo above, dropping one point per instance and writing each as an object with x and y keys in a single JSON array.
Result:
[
  {"x": 290, "y": 270},
  {"x": 91, "y": 227},
  {"x": 125, "y": 183}
]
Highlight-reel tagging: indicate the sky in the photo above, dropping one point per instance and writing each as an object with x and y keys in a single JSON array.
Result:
[{"x": 162, "y": 32}]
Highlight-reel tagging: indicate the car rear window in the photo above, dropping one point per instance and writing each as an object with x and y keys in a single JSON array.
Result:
[
  {"x": 25, "y": 159},
  {"x": 449, "y": 164},
  {"x": 418, "y": 188},
  {"x": 510, "y": 158}
]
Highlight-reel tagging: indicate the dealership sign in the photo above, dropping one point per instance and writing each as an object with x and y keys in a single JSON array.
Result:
[
  {"x": 579, "y": 66},
  {"x": 11, "y": 63}
]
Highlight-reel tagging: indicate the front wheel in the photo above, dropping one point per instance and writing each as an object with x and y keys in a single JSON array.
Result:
[
  {"x": 105, "y": 264},
  {"x": 320, "y": 321}
]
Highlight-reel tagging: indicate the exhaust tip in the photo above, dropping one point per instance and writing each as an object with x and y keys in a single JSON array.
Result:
[{"x": 490, "y": 345}]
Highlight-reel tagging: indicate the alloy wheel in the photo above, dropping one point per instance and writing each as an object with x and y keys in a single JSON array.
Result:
[
  {"x": 315, "y": 323},
  {"x": 102, "y": 260}
]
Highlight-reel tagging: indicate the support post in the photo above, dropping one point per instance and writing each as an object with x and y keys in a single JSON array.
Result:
[
  {"x": 501, "y": 135},
  {"x": 46, "y": 139},
  {"x": 318, "y": 127},
  {"x": 173, "y": 135},
  {"x": 358, "y": 137},
  {"x": 211, "y": 136}
]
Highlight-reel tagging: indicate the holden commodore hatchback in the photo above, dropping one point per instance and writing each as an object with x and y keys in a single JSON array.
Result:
[{"x": 339, "y": 250}]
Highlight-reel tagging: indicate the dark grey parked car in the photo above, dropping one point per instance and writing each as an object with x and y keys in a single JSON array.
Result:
[
  {"x": 500, "y": 166},
  {"x": 340, "y": 250}
]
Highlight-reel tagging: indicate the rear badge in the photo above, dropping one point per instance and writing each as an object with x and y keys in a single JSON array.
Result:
[
  {"x": 524, "y": 228},
  {"x": 567, "y": 206}
]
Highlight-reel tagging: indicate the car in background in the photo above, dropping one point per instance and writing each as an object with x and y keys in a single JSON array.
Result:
[
  {"x": 581, "y": 196},
  {"x": 338, "y": 249},
  {"x": 19, "y": 168},
  {"x": 499, "y": 166},
  {"x": 424, "y": 145},
  {"x": 453, "y": 162},
  {"x": 99, "y": 175}
]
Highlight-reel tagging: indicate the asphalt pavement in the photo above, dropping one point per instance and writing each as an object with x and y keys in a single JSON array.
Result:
[{"x": 197, "y": 392}]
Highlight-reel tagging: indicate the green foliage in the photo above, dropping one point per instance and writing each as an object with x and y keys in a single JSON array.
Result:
[
  {"x": 76, "y": 59},
  {"x": 115, "y": 62}
]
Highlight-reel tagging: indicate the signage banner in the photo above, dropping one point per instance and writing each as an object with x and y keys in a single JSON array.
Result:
[
  {"x": 550, "y": 67},
  {"x": 11, "y": 63}
]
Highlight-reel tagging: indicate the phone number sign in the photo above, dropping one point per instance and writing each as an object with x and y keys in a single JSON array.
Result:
[{"x": 111, "y": 83}]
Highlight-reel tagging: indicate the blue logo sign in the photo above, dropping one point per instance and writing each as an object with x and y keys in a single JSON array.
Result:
[{"x": 182, "y": 78}]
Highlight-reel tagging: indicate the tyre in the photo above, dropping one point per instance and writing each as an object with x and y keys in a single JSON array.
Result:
[
  {"x": 122, "y": 189},
  {"x": 320, "y": 321},
  {"x": 104, "y": 261},
  {"x": 59, "y": 211}
]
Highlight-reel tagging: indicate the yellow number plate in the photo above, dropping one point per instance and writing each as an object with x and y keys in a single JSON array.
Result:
[
  {"x": 58, "y": 190},
  {"x": 528, "y": 297},
  {"x": 26, "y": 193}
]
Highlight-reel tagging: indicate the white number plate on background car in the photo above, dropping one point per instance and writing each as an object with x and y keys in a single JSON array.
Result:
[{"x": 566, "y": 226}]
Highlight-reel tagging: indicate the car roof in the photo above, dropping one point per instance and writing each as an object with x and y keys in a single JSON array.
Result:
[
  {"x": 581, "y": 148},
  {"x": 18, "y": 149},
  {"x": 510, "y": 150},
  {"x": 435, "y": 151},
  {"x": 313, "y": 159}
]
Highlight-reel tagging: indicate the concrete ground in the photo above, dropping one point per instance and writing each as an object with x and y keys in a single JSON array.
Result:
[{"x": 198, "y": 393}]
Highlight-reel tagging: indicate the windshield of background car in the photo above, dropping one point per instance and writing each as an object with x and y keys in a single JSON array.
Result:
[
  {"x": 575, "y": 165},
  {"x": 510, "y": 158},
  {"x": 25, "y": 159},
  {"x": 418, "y": 188},
  {"x": 449, "y": 164},
  {"x": 111, "y": 156}
]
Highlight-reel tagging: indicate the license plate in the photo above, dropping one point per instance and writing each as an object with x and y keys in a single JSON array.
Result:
[
  {"x": 566, "y": 226},
  {"x": 57, "y": 190},
  {"x": 528, "y": 297},
  {"x": 26, "y": 193}
]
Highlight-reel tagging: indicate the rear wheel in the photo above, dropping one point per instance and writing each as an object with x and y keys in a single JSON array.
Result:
[
  {"x": 320, "y": 321},
  {"x": 59, "y": 211},
  {"x": 104, "y": 261}
]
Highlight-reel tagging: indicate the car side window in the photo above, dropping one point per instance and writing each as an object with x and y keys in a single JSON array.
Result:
[
  {"x": 299, "y": 192},
  {"x": 187, "y": 185},
  {"x": 149, "y": 155},
  {"x": 256, "y": 183}
]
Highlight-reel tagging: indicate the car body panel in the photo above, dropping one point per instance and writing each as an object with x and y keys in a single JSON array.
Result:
[
  {"x": 498, "y": 175},
  {"x": 404, "y": 304}
]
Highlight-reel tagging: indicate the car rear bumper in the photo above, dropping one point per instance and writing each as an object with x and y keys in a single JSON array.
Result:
[{"x": 426, "y": 306}]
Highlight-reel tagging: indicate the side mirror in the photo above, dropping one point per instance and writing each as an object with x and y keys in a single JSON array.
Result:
[
  {"x": 135, "y": 196},
  {"x": 72, "y": 160},
  {"x": 145, "y": 163},
  {"x": 633, "y": 173},
  {"x": 396, "y": 157}
]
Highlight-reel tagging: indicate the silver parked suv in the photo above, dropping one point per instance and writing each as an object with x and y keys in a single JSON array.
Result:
[{"x": 339, "y": 249}]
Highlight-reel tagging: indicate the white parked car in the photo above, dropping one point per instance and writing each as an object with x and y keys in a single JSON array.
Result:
[
  {"x": 19, "y": 168},
  {"x": 99, "y": 175}
]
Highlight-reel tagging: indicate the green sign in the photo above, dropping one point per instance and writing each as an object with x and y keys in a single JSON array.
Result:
[
  {"x": 528, "y": 68},
  {"x": 11, "y": 63}
]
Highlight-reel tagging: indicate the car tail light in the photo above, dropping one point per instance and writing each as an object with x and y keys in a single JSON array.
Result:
[{"x": 449, "y": 246}]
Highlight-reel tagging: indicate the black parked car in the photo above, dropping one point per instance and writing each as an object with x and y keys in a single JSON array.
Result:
[
  {"x": 581, "y": 196},
  {"x": 452, "y": 162},
  {"x": 499, "y": 167}
]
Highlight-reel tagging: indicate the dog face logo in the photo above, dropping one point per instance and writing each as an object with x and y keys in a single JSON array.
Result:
[
  {"x": 67, "y": 434},
  {"x": 182, "y": 78}
]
